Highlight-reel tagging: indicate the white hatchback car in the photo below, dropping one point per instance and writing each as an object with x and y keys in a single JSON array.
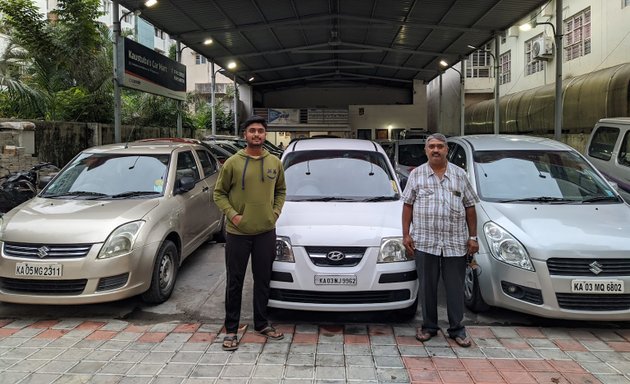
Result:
[
  {"x": 554, "y": 236},
  {"x": 117, "y": 221},
  {"x": 339, "y": 242}
]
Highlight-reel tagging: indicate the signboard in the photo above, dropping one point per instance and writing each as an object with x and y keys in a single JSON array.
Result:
[
  {"x": 283, "y": 116},
  {"x": 149, "y": 71}
]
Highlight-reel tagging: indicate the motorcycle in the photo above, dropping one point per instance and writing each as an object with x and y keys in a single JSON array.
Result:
[{"x": 18, "y": 187}]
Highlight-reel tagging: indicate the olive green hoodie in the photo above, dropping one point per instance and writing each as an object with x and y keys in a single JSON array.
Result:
[{"x": 253, "y": 187}]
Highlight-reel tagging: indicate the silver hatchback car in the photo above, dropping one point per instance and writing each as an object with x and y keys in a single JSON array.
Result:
[
  {"x": 554, "y": 236},
  {"x": 116, "y": 222}
]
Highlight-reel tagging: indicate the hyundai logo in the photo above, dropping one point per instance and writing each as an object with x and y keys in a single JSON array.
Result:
[
  {"x": 596, "y": 267},
  {"x": 42, "y": 251},
  {"x": 335, "y": 256}
]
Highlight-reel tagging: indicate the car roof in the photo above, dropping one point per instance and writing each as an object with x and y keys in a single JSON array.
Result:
[
  {"x": 313, "y": 144},
  {"x": 511, "y": 142},
  {"x": 148, "y": 146},
  {"x": 411, "y": 141},
  {"x": 615, "y": 120}
]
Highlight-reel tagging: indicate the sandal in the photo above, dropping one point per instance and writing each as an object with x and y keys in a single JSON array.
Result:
[
  {"x": 464, "y": 342},
  {"x": 271, "y": 333},
  {"x": 424, "y": 336},
  {"x": 230, "y": 343}
]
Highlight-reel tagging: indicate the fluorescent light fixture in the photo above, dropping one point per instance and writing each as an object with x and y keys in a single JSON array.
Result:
[
  {"x": 443, "y": 63},
  {"x": 390, "y": 126},
  {"x": 207, "y": 41},
  {"x": 150, "y": 3},
  {"x": 472, "y": 47},
  {"x": 251, "y": 78},
  {"x": 231, "y": 65},
  {"x": 525, "y": 27}
]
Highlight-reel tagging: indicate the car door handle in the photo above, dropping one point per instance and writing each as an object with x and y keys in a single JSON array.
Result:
[{"x": 205, "y": 189}]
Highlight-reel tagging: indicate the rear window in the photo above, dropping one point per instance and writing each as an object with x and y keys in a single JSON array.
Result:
[
  {"x": 603, "y": 143},
  {"x": 411, "y": 155}
]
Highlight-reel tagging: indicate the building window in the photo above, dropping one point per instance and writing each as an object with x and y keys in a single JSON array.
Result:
[
  {"x": 505, "y": 67},
  {"x": 159, "y": 33},
  {"x": 479, "y": 64},
  {"x": 106, "y": 6},
  {"x": 577, "y": 35},
  {"x": 532, "y": 65},
  {"x": 199, "y": 59}
]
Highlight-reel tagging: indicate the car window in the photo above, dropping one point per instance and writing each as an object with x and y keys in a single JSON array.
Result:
[
  {"x": 411, "y": 155},
  {"x": 390, "y": 151},
  {"x": 624, "y": 150},
  {"x": 186, "y": 166},
  {"x": 338, "y": 174},
  {"x": 457, "y": 155},
  {"x": 603, "y": 143},
  {"x": 111, "y": 174},
  {"x": 505, "y": 175},
  {"x": 207, "y": 162}
]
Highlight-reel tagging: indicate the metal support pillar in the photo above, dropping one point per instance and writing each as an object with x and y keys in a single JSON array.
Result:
[
  {"x": 117, "y": 96},
  {"x": 213, "y": 86},
  {"x": 497, "y": 109},
  {"x": 235, "y": 107},
  {"x": 179, "y": 102},
  {"x": 557, "y": 127}
]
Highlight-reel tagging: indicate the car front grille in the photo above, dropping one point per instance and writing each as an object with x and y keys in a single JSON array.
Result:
[
  {"x": 46, "y": 251},
  {"x": 587, "y": 302},
  {"x": 319, "y": 297},
  {"x": 43, "y": 287},
  {"x": 351, "y": 256},
  {"x": 583, "y": 267}
]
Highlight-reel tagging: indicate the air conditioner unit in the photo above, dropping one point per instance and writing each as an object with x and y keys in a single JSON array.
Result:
[{"x": 542, "y": 48}]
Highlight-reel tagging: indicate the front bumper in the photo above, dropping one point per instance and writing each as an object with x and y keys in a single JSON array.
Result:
[
  {"x": 379, "y": 287},
  {"x": 84, "y": 280}
]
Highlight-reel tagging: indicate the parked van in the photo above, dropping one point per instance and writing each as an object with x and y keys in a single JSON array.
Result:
[{"x": 608, "y": 149}]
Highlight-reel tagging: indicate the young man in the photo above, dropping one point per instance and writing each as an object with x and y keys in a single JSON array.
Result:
[
  {"x": 250, "y": 191},
  {"x": 440, "y": 201}
]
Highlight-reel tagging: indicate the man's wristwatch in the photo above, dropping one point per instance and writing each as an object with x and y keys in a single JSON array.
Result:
[{"x": 473, "y": 238}]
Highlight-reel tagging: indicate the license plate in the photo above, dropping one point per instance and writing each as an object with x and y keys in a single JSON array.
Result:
[
  {"x": 335, "y": 280},
  {"x": 39, "y": 269},
  {"x": 597, "y": 286}
]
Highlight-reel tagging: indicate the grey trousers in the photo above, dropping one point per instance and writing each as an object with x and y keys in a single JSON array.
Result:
[{"x": 453, "y": 270}]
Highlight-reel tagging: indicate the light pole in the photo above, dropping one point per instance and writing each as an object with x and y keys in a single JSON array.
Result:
[
  {"x": 213, "y": 85},
  {"x": 557, "y": 126},
  {"x": 462, "y": 94},
  {"x": 497, "y": 109}
]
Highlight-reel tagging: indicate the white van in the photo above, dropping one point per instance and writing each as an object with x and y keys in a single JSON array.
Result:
[{"x": 608, "y": 149}]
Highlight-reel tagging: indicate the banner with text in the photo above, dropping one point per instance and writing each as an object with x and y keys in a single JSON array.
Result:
[
  {"x": 283, "y": 116},
  {"x": 149, "y": 71}
]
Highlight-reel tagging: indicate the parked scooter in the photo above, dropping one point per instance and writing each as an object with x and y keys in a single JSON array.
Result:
[{"x": 17, "y": 187}]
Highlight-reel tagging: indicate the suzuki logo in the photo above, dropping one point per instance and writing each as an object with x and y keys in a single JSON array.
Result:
[
  {"x": 335, "y": 256},
  {"x": 42, "y": 251},
  {"x": 596, "y": 267}
]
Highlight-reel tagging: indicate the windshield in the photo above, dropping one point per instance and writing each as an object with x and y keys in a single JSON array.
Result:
[
  {"x": 107, "y": 175},
  {"x": 342, "y": 175},
  {"x": 411, "y": 154},
  {"x": 549, "y": 176}
]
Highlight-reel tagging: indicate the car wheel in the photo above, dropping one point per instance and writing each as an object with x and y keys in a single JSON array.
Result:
[
  {"x": 472, "y": 293},
  {"x": 409, "y": 312},
  {"x": 164, "y": 274},
  {"x": 219, "y": 236}
]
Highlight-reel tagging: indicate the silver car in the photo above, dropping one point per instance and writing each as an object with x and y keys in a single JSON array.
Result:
[
  {"x": 116, "y": 222},
  {"x": 554, "y": 235},
  {"x": 405, "y": 155}
]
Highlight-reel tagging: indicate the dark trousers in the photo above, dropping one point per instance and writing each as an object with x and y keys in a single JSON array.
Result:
[
  {"x": 262, "y": 247},
  {"x": 453, "y": 271}
]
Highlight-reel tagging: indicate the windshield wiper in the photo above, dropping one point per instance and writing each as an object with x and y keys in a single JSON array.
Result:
[
  {"x": 328, "y": 198},
  {"x": 379, "y": 198},
  {"x": 134, "y": 194},
  {"x": 600, "y": 198},
  {"x": 540, "y": 199},
  {"x": 77, "y": 194}
]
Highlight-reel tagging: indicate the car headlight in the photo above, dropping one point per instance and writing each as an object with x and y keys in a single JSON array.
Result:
[
  {"x": 504, "y": 247},
  {"x": 284, "y": 251},
  {"x": 392, "y": 250},
  {"x": 121, "y": 240}
]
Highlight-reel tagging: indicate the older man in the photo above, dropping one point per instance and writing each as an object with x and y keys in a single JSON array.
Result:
[{"x": 440, "y": 202}]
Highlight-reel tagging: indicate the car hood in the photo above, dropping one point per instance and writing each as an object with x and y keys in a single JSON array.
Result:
[
  {"x": 340, "y": 223},
  {"x": 70, "y": 221},
  {"x": 553, "y": 230}
]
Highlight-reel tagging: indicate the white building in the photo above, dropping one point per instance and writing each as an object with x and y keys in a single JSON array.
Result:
[{"x": 595, "y": 62}]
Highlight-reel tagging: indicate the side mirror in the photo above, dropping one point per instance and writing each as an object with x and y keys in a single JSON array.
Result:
[{"x": 186, "y": 184}]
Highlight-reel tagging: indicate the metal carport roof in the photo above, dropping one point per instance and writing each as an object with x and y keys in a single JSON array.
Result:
[{"x": 294, "y": 43}]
